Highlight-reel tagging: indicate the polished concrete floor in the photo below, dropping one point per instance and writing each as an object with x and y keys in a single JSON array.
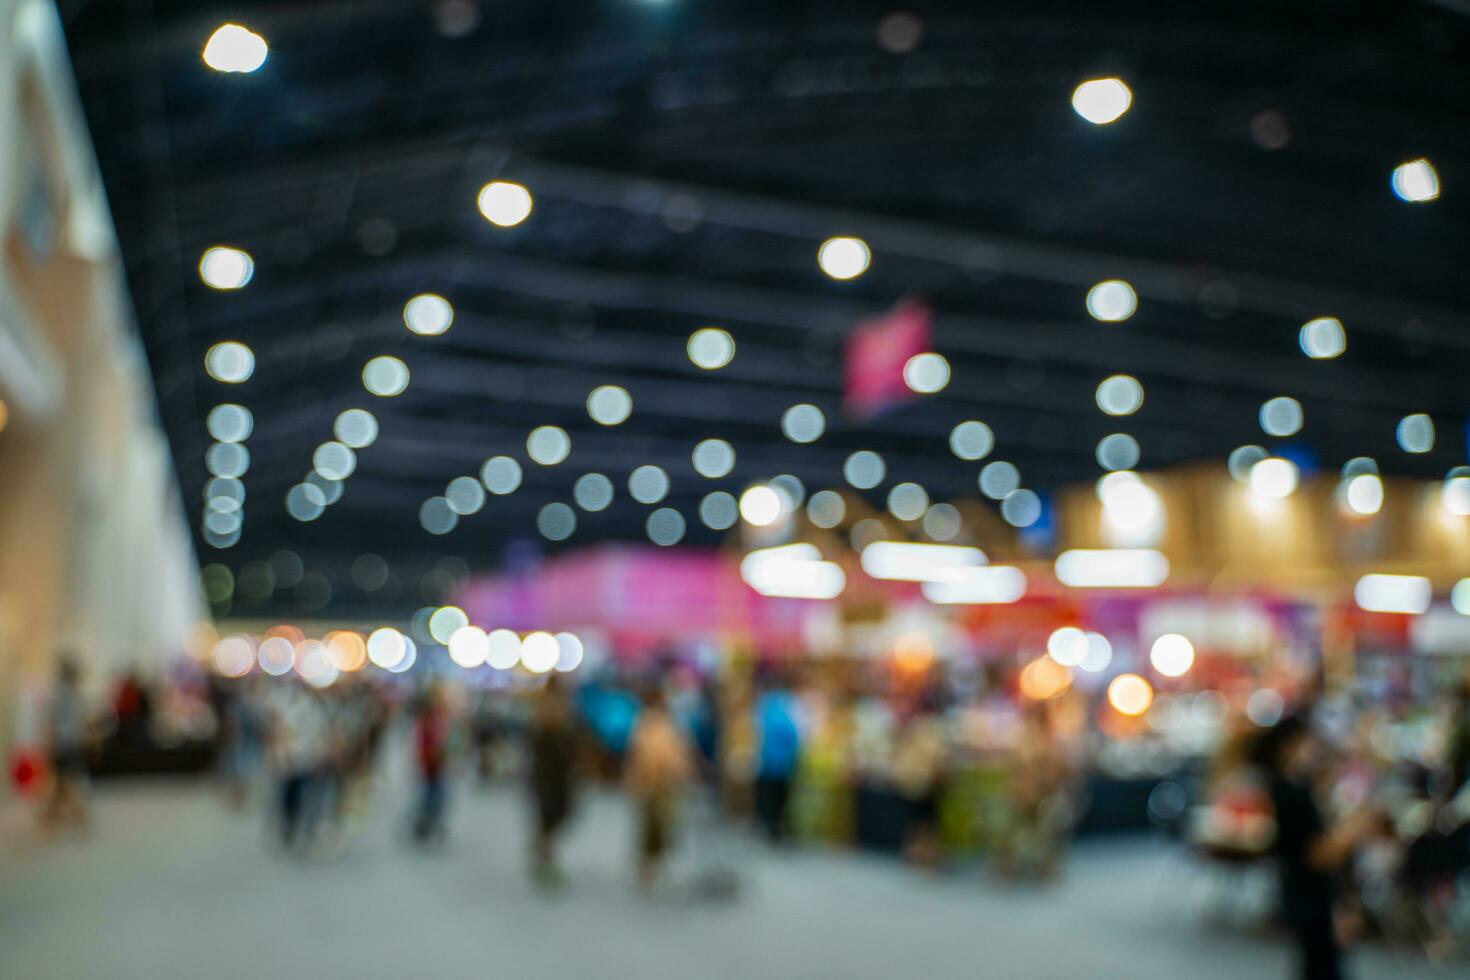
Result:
[{"x": 171, "y": 884}]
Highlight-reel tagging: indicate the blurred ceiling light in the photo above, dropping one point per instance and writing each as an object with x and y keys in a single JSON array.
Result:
[
  {"x": 1021, "y": 508},
  {"x": 385, "y": 376},
  {"x": 916, "y": 561},
  {"x": 469, "y": 646},
  {"x": 711, "y": 348},
  {"x": 794, "y": 571},
  {"x": 826, "y": 509},
  {"x": 356, "y": 427},
  {"x": 713, "y": 458},
  {"x": 1455, "y": 495},
  {"x": 971, "y": 440},
  {"x": 1120, "y": 395},
  {"x": 1118, "y": 451},
  {"x": 556, "y": 522},
  {"x": 648, "y": 484},
  {"x": 1408, "y": 594},
  {"x": 305, "y": 502},
  {"x": 465, "y": 495},
  {"x": 444, "y": 621},
  {"x": 386, "y": 647},
  {"x": 1099, "y": 654},
  {"x": 334, "y": 460},
  {"x": 348, "y": 650},
  {"x": 803, "y": 423},
  {"x": 864, "y": 469},
  {"x": 1130, "y": 694},
  {"x": 999, "y": 479},
  {"x": 844, "y": 257},
  {"x": 593, "y": 492},
  {"x": 501, "y": 475},
  {"x": 222, "y": 522},
  {"x": 1133, "y": 513},
  {"x": 331, "y": 489},
  {"x": 229, "y": 361},
  {"x": 1323, "y": 338},
  {"x": 1416, "y": 433},
  {"x": 1102, "y": 100},
  {"x": 222, "y": 267},
  {"x": 504, "y": 649},
  {"x": 571, "y": 654},
  {"x": 548, "y": 445},
  {"x": 990, "y": 584},
  {"x": 428, "y": 314},
  {"x": 926, "y": 373},
  {"x": 234, "y": 656},
  {"x": 1243, "y": 459},
  {"x": 609, "y": 405},
  {"x": 1281, "y": 416},
  {"x": 227, "y": 459},
  {"x": 791, "y": 487},
  {"x": 665, "y": 527},
  {"x": 437, "y": 517},
  {"x": 1172, "y": 655},
  {"x": 719, "y": 510},
  {"x": 1117, "y": 568},
  {"x": 1265, "y": 707},
  {"x": 230, "y": 423},
  {"x": 1274, "y": 478},
  {"x": 1111, "y": 301},
  {"x": 1460, "y": 597},
  {"x": 1358, "y": 466},
  {"x": 942, "y": 522},
  {"x": 235, "y": 49},
  {"x": 1416, "y": 181},
  {"x": 540, "y": 652},
  {"x": 504, "y": 203},
  {"x": 907, "y": 501},
  {"x": 760, "y": 505},
  {"x": 1364, "y": 494},
  {"x": 1067, "y": 646}
]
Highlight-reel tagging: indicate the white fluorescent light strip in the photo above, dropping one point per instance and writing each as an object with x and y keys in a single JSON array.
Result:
[
  {"x": 909, "y": 561},
  {"x": 1112, "y": 568},
  {"x": 973, "y": 586},
  {"x": 1394, "y": 593},
  {"x": 793, "y": 571}
]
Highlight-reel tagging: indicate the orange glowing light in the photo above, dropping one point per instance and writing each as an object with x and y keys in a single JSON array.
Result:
[
  {"x": 286, "y": 631},
  {"x": 348, "y": 649},
  {"x": 1130, "y": 695},
  {"x": 1043, "y": 679}
]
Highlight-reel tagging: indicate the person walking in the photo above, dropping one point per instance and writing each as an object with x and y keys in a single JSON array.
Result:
[
  {"x": 69, "y": 734},
  {"x": 431, "y": 740},
  {"x": 778, "y": 750},
  {"x": 554, "y": 740},
  {"x": 658, "y": 768}
]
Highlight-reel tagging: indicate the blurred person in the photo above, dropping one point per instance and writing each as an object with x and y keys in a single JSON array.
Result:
[
  {"x": 918, "y": 774},
  {"x": 243, "y": 731},
  {"x": 1308, "y": 851},
  {"x": 554, "y": 740},
  {"x": 1036, "y": 790},
  {"x": 431, "y": 744},
  {"x": 298, "y": 748},
  {"x": 69, "y": 737},
  {"x": 778, "y": 740},
  {"x": 657, "y": 769}
]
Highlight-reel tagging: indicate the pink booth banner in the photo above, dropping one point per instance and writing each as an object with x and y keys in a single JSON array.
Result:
[{"x": 876, "y": 353}]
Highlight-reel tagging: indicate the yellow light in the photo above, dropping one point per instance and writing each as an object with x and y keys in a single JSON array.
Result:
[
  {"x": 1043, "y": 679},
  {"x": 1130, "y": 694},
  {"x": 348, "y": 649}
]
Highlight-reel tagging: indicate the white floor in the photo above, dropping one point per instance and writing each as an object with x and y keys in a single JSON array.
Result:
[{"x": 171, "y": 884}]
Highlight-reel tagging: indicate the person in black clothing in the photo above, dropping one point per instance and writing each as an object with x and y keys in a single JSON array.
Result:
[
  {"x": 1308, "y": 850},
  {"x": 554, "y": 740}
]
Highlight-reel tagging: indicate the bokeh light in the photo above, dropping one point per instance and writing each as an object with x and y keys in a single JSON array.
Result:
[
  {"x": 1172, "y": 655},
  {"x": 803, "y": 423},
  {"x": 385, "y": 376},
  {"x": 1415, "y": 181},
  {"x": 1281, "y": 416},
  {"x": 548, "y": 445},
  {"x": 1415, "y": 433},
  {"x": 609, "y": 405},
  {"x": 844, "y": 257},
  {"x": 356, "y": 427},
  {"x": 593, "y": 492},
  {"x": 711, "y": 348},
  {"x": 229, "y": 361},
  {"x": 864, "y": 469},
  {"x": 428, "y": 314},
  {"x": 1323, "y": 338},
  {"x": 719, "y": 510},
  {"x": 926, "y": 373},
  {"x": 504, "y": 203},
  {"x": 501, "y": 475},
  {"x": 235, "y": 49},
  {"x": 1120, "y": 394},
  {"x": 971, "y": 440},
  {"x": 1101, "y": 100},
  {"x": 1112, "y": 301},
  {"x": 556, "y": 522},
  {"x": 225, "y": 268},
  {"x": 713, "y": 458},
  {"x": 1130, "y": 694},
  {"x": 648, "y": 484}
]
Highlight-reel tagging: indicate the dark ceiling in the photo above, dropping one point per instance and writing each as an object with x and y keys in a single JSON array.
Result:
[{"x": 1245, "y": 192}]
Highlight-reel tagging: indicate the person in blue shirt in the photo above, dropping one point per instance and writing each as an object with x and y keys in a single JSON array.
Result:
[{"x": 778, "y": 750}]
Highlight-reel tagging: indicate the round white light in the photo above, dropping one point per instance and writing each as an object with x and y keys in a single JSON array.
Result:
[
  {"x": 971, "y": 440},
  {"x": 571, "y": 652},
  {"x": 1416, "y": 433},
  {"x": 1281, "y": 416},
  {"x": 428, "y": 314},
  {"x": 1021, "y": 508},
  {"x": 1112, "y": 301},
  {"x": 1358, "y": 466},
  {"x": 504, "y": 203},
  {"x": 1456, "y": 495},
  {"x": 803, "y": 423},
  {"x": 1323, "y": 338},
  {"x": 235, "y": 49},
  {"x": 1067, "y": 646},
  {"x": 648, "y": 484},
  {"x": 556, "y": 522},
  {"x": 593, "y": 492},
  {"x": 711, "y": 348},
  {"x": 1172, "y": 655},
  {"x": 385, "y": 376},
  {"x": 230, "y": 361},
  {"x": 998, "y": 479},
  {"x": 926, "y": 373},
  {"x": 1460, "y": 597},
  {"x": 387, "y": 647},
  {"x": 334, "y": 461},
  {"x": 942, "y": 522},
  {"x": 504, "y": 649},
  {"x": 230, "y": 423},
  {"x": 437, "y": 517},
  {"x": 1364, "y": 494},
  {"x": 609, "y": 405},
  {"x": 444, "y": 621},
  {"x": 1274, "y": 478},
  {"x": 713, "y": 458},
  {"x": 760, "y": 506},
  {"x": 1118, "y": 451},
  {"x": 907, "y": 501},
  {"x": 1101, "y": 100},
  {"x": 1120, "y": 395},
  {"x": 465, "y": 495},
  {"x": 719, "y": 511},
  {"x": 1416, "y": 181},
  {"x": 277, "y": 655},
  {"x": 844, "y": 257},
  {"x": 222, "y": 267},
  {"x": 826, "y": 508},
  {"x": 864, "y": 469},
  {"x": 356, "y": 427},
  {"x": 305, "y": 502},
  {"x": 469, "y": 646},
  {"x": 665, "y": 527},
  {"x": 548, "y": 445},
  {"x": 540, "y": 652},
  {"x": 1242, "y": 459},
  {"x": 501, "y": 475},
  {"x": 227, "y": 459}
]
